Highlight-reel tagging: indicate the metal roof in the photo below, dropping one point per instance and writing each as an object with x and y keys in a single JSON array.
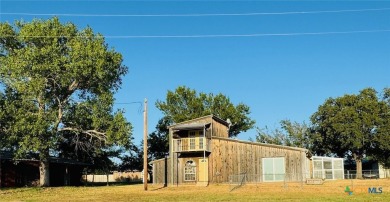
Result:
[
  {"x": 191, "y": 126},
  {"x": 212, "y": 116},
  {"x": 8, "y": 155}
]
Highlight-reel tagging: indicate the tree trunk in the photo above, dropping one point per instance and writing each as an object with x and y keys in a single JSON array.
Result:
[
  {"x": 1, "y": 174},
  {"x": 359, "y": 166},
  {"x": 359, "y": 170},
  {"x": 44, "y": 174},
  {"x": 66, "y": 177}
]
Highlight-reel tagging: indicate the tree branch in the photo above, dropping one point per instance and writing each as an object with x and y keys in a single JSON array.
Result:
[
  {"x": 73, "y": 86},
  {"x": 92, "y": 133}
]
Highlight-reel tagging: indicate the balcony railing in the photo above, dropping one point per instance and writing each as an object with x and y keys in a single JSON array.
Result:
[{"x": 191, "y": 144}]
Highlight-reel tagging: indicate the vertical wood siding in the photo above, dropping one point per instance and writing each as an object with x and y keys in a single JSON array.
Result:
[
  {"x": 231, "y": 157},
  {"x": 228, "y": 157},
  {"x": 161, "y": 171},
  {"x": 219, "y": 129}
]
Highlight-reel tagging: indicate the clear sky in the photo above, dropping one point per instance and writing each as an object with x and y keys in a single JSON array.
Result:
[{"x": 326, "y": 49}]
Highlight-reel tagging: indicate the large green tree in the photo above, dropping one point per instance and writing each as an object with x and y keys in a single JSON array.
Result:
[
  {"x": 351, "y": 126},
  {"x": 185, "y": 104},
  {"x": 158, "y": 148},
  {"x": 60, "y": 83},
  {"x": 158, "y": 140},
  {"x": 381, "y": 143}
]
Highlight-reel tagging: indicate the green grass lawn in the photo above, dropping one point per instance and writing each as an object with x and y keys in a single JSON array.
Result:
[{"x": 329, "y": 191}]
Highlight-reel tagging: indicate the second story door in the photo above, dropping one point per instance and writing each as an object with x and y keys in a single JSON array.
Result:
[{"x": 192, "y": 136}]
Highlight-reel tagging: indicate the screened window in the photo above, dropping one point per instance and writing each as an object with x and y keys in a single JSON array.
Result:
[
  {"x": 328, "y": 164},
  {"x": 317, "y": 165},
  {"x": 338, "y": 164},
  {"x": 328, "y": 168},
  {"x": 273, "y": 169},
  {"x": 190, "y": 171}
]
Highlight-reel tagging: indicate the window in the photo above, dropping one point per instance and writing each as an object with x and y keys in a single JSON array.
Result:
[
  {"x": 201, "y": 143},
  {"x": 190, "y": 171},
  {"x": 328, "y": 164},
  {"x": 328, "y": 168},
  {"x": 317, "y": 174},
  {"x": 273, "y": 169},
  {"x": 200, "y": 133},
  {"x": 317, "y": 165}
]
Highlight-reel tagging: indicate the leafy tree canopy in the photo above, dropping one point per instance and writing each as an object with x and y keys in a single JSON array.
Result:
[
  {"x": 291, "y": 134},
  {"x": 59, "y": 84},
  {"x": 352, "y": 126},
  {"x": 158, "y": 148},
  {"x": 381, "y": 147},
  {"x": 158, "y": 145},
  {"x": 185, "y": 104}
]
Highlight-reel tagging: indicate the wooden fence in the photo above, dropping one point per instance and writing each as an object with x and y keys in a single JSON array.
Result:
[{"x": 115, "y": 177}]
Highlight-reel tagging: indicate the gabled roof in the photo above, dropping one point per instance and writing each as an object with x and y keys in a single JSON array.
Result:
[
  {"x": 265, "y": 144},
  {"x": 9, "y": 155},
  {"x": 194, "y": 122}
]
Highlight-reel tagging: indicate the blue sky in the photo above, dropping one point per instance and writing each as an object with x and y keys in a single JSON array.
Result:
[{"x": 279, "y": 77}]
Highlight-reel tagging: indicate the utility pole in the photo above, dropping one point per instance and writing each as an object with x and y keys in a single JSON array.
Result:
[{"x": 146, "y": 145}]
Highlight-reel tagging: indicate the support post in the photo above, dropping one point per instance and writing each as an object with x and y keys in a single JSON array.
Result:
[
  {"x": 204, "y": 156},
  {"x": 1, "y": 172},
  {"x": 146, "y": 145}
]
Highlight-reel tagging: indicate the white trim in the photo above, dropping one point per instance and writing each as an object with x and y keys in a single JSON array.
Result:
[{"x": 324, "y": 170}]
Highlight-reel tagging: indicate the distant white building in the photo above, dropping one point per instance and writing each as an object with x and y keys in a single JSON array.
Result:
[{"x": 383, "y": 172}]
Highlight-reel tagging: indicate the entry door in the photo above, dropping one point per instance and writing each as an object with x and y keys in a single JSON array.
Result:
[
  {"x": 203, "y": 171},
  {"x": 192, "y": 142}
]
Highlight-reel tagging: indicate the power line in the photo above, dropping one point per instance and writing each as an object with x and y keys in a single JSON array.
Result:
[
  {"x": 181, "y": 1},
  {"x": 138, "y": 0},
  {"x": 194, "y": 14},
  {"x": 220, "y": 35},
  {"x": 248, "y": 35}
]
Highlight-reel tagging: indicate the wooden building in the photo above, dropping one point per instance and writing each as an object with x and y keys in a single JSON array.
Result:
[
  {"x": 25, "y": 172},
  {"x": 200, "y": 152}
]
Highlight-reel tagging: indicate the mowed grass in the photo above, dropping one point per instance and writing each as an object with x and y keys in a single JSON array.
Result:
[{"x": 329, "y": 191}]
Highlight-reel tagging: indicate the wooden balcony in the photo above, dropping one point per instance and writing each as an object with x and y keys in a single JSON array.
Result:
[{"x": 191, "y": 144}]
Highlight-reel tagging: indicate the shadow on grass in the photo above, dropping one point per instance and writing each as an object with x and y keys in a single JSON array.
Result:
[
  {"x": 98, "y": 184},
  {"x": 159, "y": 188},
  {"x": 13, "y": 190},
  {"x": 10, "y": 190}
]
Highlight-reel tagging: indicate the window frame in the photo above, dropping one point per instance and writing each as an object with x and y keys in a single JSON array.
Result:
[
  {"x": 273, "y": 174},
  {"x": 333, "y": 172},
  {"x": 190, "y": 170}
]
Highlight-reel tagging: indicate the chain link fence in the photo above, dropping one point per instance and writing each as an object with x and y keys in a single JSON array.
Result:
[
  {"x": 296, "y": 180},
  {"x": 302, "y": 181},
  {"x": 366, "y": 174}
]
